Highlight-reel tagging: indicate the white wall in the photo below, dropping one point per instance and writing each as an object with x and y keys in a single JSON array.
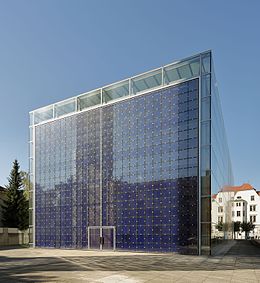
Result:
[{"x": 240, "y": 201}]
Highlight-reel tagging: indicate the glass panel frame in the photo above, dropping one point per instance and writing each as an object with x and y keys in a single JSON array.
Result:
[
  {"x": 66, "y": 107},
  {"x": 206, "y": 63},
  {"x": 43, "y": 114},
  {"x": 182, "y": 71},
  {"x": 89, "y": 99},
  {"x": 115, "y": 91},
  {"x": 206, "y": 85},
  {"x": 146, "y": 81},
  {"x": 31, "y": 114}
]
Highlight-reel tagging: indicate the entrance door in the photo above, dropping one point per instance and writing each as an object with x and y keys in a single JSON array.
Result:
[
  {"x": 108, "y": 238},
  {"x": 94, "y": 238},
  {"x": 101, "y": 238}
]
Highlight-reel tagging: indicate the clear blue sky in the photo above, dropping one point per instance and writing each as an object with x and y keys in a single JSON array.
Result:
[{"x": 54, "y": 49}]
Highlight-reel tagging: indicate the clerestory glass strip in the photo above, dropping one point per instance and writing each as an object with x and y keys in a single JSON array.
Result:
[{"x": 169, "y": 74}]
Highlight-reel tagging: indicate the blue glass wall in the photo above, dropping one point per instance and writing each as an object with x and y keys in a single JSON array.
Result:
[
  {"x": 141, "y": 153},
  {"x": 67, "y": 172}
]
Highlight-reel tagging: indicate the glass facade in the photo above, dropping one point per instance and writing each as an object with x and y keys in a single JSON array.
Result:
[
  {"x": 140, "y": 154},
  {"x": 129, "y": 166},
  {"x": 221, "y": 173}
]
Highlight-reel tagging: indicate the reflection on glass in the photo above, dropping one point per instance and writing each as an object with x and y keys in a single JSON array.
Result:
[
  {"x": 30, "y": 164},
  {"x": 43, "y": 114},
  {"x": 150, "y": 159},
  {"x": 115, "y": 91},
  {"x": 64, "y": 108},
  {"x": 147, "y": 81},
  {"x": 221, "y": 169},
  {"x": 205, "y": 183},
  {"x": 205, "y": 87},
  {"x": 30, "y": 149},
  {"x": 30, "y": 133},
  {"x": 182, "y": 71},
  {"x": 149, "y": 176},
  {"x": 205, "y": 109},
  {"x": 205, "y": 133},
  {"x": 206, "y": 63},
  {"x": 31, "y": 118},
  {"x": 89, "y": 99}
]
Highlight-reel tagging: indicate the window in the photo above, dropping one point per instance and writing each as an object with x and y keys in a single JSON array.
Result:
[
  {"x": 252, "y": 218},
  {"x": 238, "y": 213},
  {"x": 220, "y": 199},
  {"x": 252, "y": 198},
  {"x": 220, "y": 219},
  {"x": 238, "y": 204},
  {"x": 220, "y": 209},
  {"x": 252, "y": 207},
  {"x": 239, "y": 197},
  {"x": 233, "y": 213}
]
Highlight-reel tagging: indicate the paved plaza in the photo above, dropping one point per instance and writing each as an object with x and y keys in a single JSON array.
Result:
[{"x": 240, "y": 264}]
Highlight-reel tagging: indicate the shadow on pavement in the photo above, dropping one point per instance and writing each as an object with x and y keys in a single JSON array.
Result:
[
  {"x": 4, "y": 248},
  {"x": 29, "y": 269}
]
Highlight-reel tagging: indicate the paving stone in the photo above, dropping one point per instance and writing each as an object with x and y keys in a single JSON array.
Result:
[{"x": 240, "y": 264}]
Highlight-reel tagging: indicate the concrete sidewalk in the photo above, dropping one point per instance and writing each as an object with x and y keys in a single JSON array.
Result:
[{"x": 240, "y": 264}]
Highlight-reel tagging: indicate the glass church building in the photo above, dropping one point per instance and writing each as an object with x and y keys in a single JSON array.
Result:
[{"x": 132, "y": 165}]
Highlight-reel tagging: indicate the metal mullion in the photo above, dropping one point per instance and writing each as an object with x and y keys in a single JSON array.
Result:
[
  {"x": 191, "y": 70},
  {"x": 34, "y": 191},
  {"x": 100, "y": 174},
  {"x": 178, "y": 72},
  {"x": 199, "y": 167},
  {"x": 162, "y": 74}
]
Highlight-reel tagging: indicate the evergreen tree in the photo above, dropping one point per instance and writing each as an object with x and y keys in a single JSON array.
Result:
[
  {"x": 27, "y": 185},
  {"x": 16, "y": 207}
]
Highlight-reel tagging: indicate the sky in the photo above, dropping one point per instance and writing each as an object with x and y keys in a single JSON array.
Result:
[{"x": 51, "y": 50}]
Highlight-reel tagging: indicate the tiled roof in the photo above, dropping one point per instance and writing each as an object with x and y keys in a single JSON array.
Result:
[{"x": 244, "y": 187}]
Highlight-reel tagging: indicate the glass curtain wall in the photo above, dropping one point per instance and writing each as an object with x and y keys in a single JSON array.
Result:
[
  {"x": 135, "y": 166},
  {"x": 150, "y": 170},
  {"x": 31, "y": 180},
  {"x": 221, "y": 174},
  {"x": 205, "y": 153},
  {"x": 215, "y": 164},
  {"x": 146, "y": 183}
]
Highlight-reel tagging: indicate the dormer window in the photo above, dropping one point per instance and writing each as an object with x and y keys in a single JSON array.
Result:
[{"x": 239, "y": 197}]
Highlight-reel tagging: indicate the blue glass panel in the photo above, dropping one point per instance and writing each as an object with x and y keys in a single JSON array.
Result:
[{"x": 149, "y": 173}]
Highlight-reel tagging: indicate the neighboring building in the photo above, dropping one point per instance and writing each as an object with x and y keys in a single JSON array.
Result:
[
  {"x": 2, "y": 197},
  {"x": 132, "y": 165},
  {"x": 244, "y": 206}
]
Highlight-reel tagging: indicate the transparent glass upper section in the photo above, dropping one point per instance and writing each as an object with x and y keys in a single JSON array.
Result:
[{"x": 176, "y": 72}]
